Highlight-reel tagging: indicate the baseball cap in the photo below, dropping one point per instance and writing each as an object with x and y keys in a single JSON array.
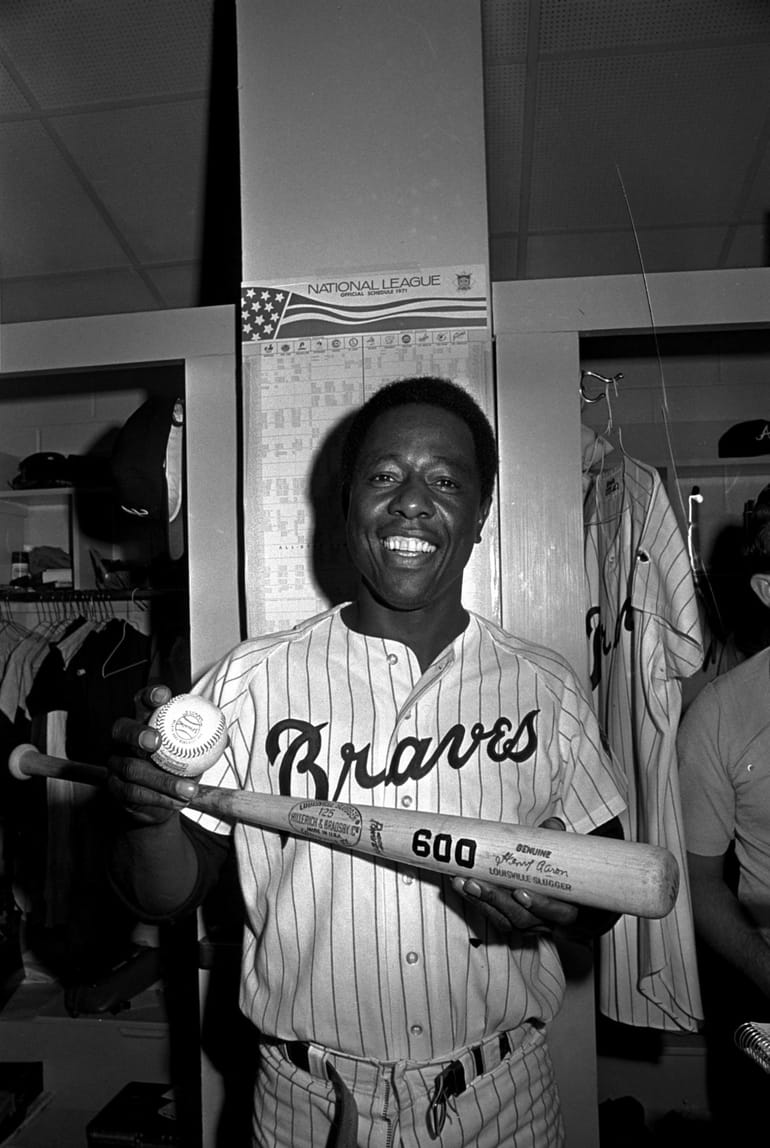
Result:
[
  {"x": 46, "y": 468},
  {"x": 746, "y": 439},
  {"x": 147, "y": 465}
]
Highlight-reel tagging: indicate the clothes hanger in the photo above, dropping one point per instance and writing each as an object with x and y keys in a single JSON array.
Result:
[
  {"x": 8, "y": 622},
  {"x": 120, "y": 669},
  {"x": 597, "y": 445},
  {"x": 612, "y": 381}
]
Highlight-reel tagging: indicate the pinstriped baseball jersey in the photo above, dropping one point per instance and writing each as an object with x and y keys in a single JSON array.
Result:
[
  {"x": 644, "y": 635},
  {"x": 366, "y": 956}
]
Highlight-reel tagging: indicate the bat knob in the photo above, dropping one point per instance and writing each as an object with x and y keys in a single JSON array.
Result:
[{"x": 16, "y": 761}]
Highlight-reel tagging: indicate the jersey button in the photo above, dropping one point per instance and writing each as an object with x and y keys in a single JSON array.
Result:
[
  {"x": 412, "y": 958},
  {"x": 392, "y": 659},
  {"x": 406, "y": 801},
  {"x": 416, "y": 1030},
  {"x": 408, "y": 878}
]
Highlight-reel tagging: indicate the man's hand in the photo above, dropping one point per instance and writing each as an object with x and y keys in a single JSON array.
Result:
[
  {"x": 512, "y": 910},
  {"x": 148, "y": 794},
  {"x": 519, "y": 910}
]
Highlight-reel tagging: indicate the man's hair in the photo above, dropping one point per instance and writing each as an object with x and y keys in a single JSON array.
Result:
[
  {"x": 435, "y": 392},
  {"x": 756, "y": 545}
]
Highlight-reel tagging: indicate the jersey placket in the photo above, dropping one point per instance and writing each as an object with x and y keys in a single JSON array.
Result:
[{"x": 404, "y": 914}]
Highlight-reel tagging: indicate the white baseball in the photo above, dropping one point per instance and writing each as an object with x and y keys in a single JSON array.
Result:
[{"x": 192, "y": 732}]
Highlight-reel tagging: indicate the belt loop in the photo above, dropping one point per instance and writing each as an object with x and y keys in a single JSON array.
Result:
[{"x": 298, "y": 1053}]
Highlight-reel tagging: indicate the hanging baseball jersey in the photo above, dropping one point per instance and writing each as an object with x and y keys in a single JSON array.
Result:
[{"x": 644, "y": 636}]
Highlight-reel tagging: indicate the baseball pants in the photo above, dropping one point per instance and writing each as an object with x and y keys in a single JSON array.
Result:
[{"x": 501, "y": 1092}]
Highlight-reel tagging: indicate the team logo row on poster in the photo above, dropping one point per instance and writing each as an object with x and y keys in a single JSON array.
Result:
[{"x": 322, "y": 344}]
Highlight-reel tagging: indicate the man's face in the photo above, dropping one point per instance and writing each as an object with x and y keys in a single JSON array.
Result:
[{"x": 415, "y": 507}]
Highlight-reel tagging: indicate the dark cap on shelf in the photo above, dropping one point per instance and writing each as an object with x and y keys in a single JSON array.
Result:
[
  {"x": 42, "y": 470},
  {"x": 746, "y": 439}
]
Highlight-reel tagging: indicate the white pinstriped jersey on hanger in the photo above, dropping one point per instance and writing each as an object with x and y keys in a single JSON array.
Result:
[
  {"x": 644, "y": 635},
  {"x": 366, "y": 956}
]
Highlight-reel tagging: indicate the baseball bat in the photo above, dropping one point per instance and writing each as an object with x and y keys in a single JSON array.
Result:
[{"x": 621, "y": 876}]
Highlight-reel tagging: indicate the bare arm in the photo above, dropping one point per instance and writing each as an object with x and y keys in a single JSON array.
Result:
[
  {"x": 154, "y": 863},
  {"x": 155, "y": 868},
  {"x": 722, "y": 924}
]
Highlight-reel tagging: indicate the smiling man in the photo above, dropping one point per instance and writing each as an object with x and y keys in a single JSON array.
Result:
[
  {"x": 395, "y": 1006},
  {"x": 417, "y": 485}
]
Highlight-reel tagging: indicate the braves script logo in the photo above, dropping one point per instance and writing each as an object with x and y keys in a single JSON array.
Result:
[
  {"x": 295, "y": 745},
  {"x": 601, "y": 647}
]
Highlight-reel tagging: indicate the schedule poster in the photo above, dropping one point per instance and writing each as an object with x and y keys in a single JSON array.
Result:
[{"x": 313, "y": 351}]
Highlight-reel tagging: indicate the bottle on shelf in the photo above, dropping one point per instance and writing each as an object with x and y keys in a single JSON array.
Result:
[{"x": 19, "y": 564}]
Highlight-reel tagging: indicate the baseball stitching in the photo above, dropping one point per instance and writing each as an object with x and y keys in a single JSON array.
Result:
[{"x": 182, "y": 751}]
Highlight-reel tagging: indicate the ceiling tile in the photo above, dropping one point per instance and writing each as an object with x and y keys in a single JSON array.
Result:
[
  {"x": 757, "y": 203},
  {"x": 588, "y": 253},
  {"x": 672, "y": 248},
  {"x": 97, "y": 51},
  {"x": 502, "y": 258},
  {"x": 681, "y": 128},
  {"x": 62, "y": 297},
  {"x": 55, "y": 226},
  {"x": 749, "y": 246},
  {"x": 505, "y": 87},
  {"x": 505, "y": 27},
  {"x": 572, "y": 26},
  {"x": 12, "y": 99},
  {"x": 592, "y": 253},
  {"x": 178, "y": 286},
  {"x": 146, "y": 165}
]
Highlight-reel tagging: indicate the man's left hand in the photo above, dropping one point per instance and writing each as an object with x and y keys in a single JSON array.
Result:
[{"x": 519, "y": 910}]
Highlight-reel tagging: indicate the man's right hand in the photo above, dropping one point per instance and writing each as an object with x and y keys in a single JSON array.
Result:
[{"x": 148, "y": 794}]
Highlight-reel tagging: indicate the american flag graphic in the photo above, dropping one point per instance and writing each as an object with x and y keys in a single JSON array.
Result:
[{"x": 268, "y": 313}]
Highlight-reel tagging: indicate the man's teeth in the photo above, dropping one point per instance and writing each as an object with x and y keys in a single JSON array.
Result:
[{"x": 409, "y": 545}]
